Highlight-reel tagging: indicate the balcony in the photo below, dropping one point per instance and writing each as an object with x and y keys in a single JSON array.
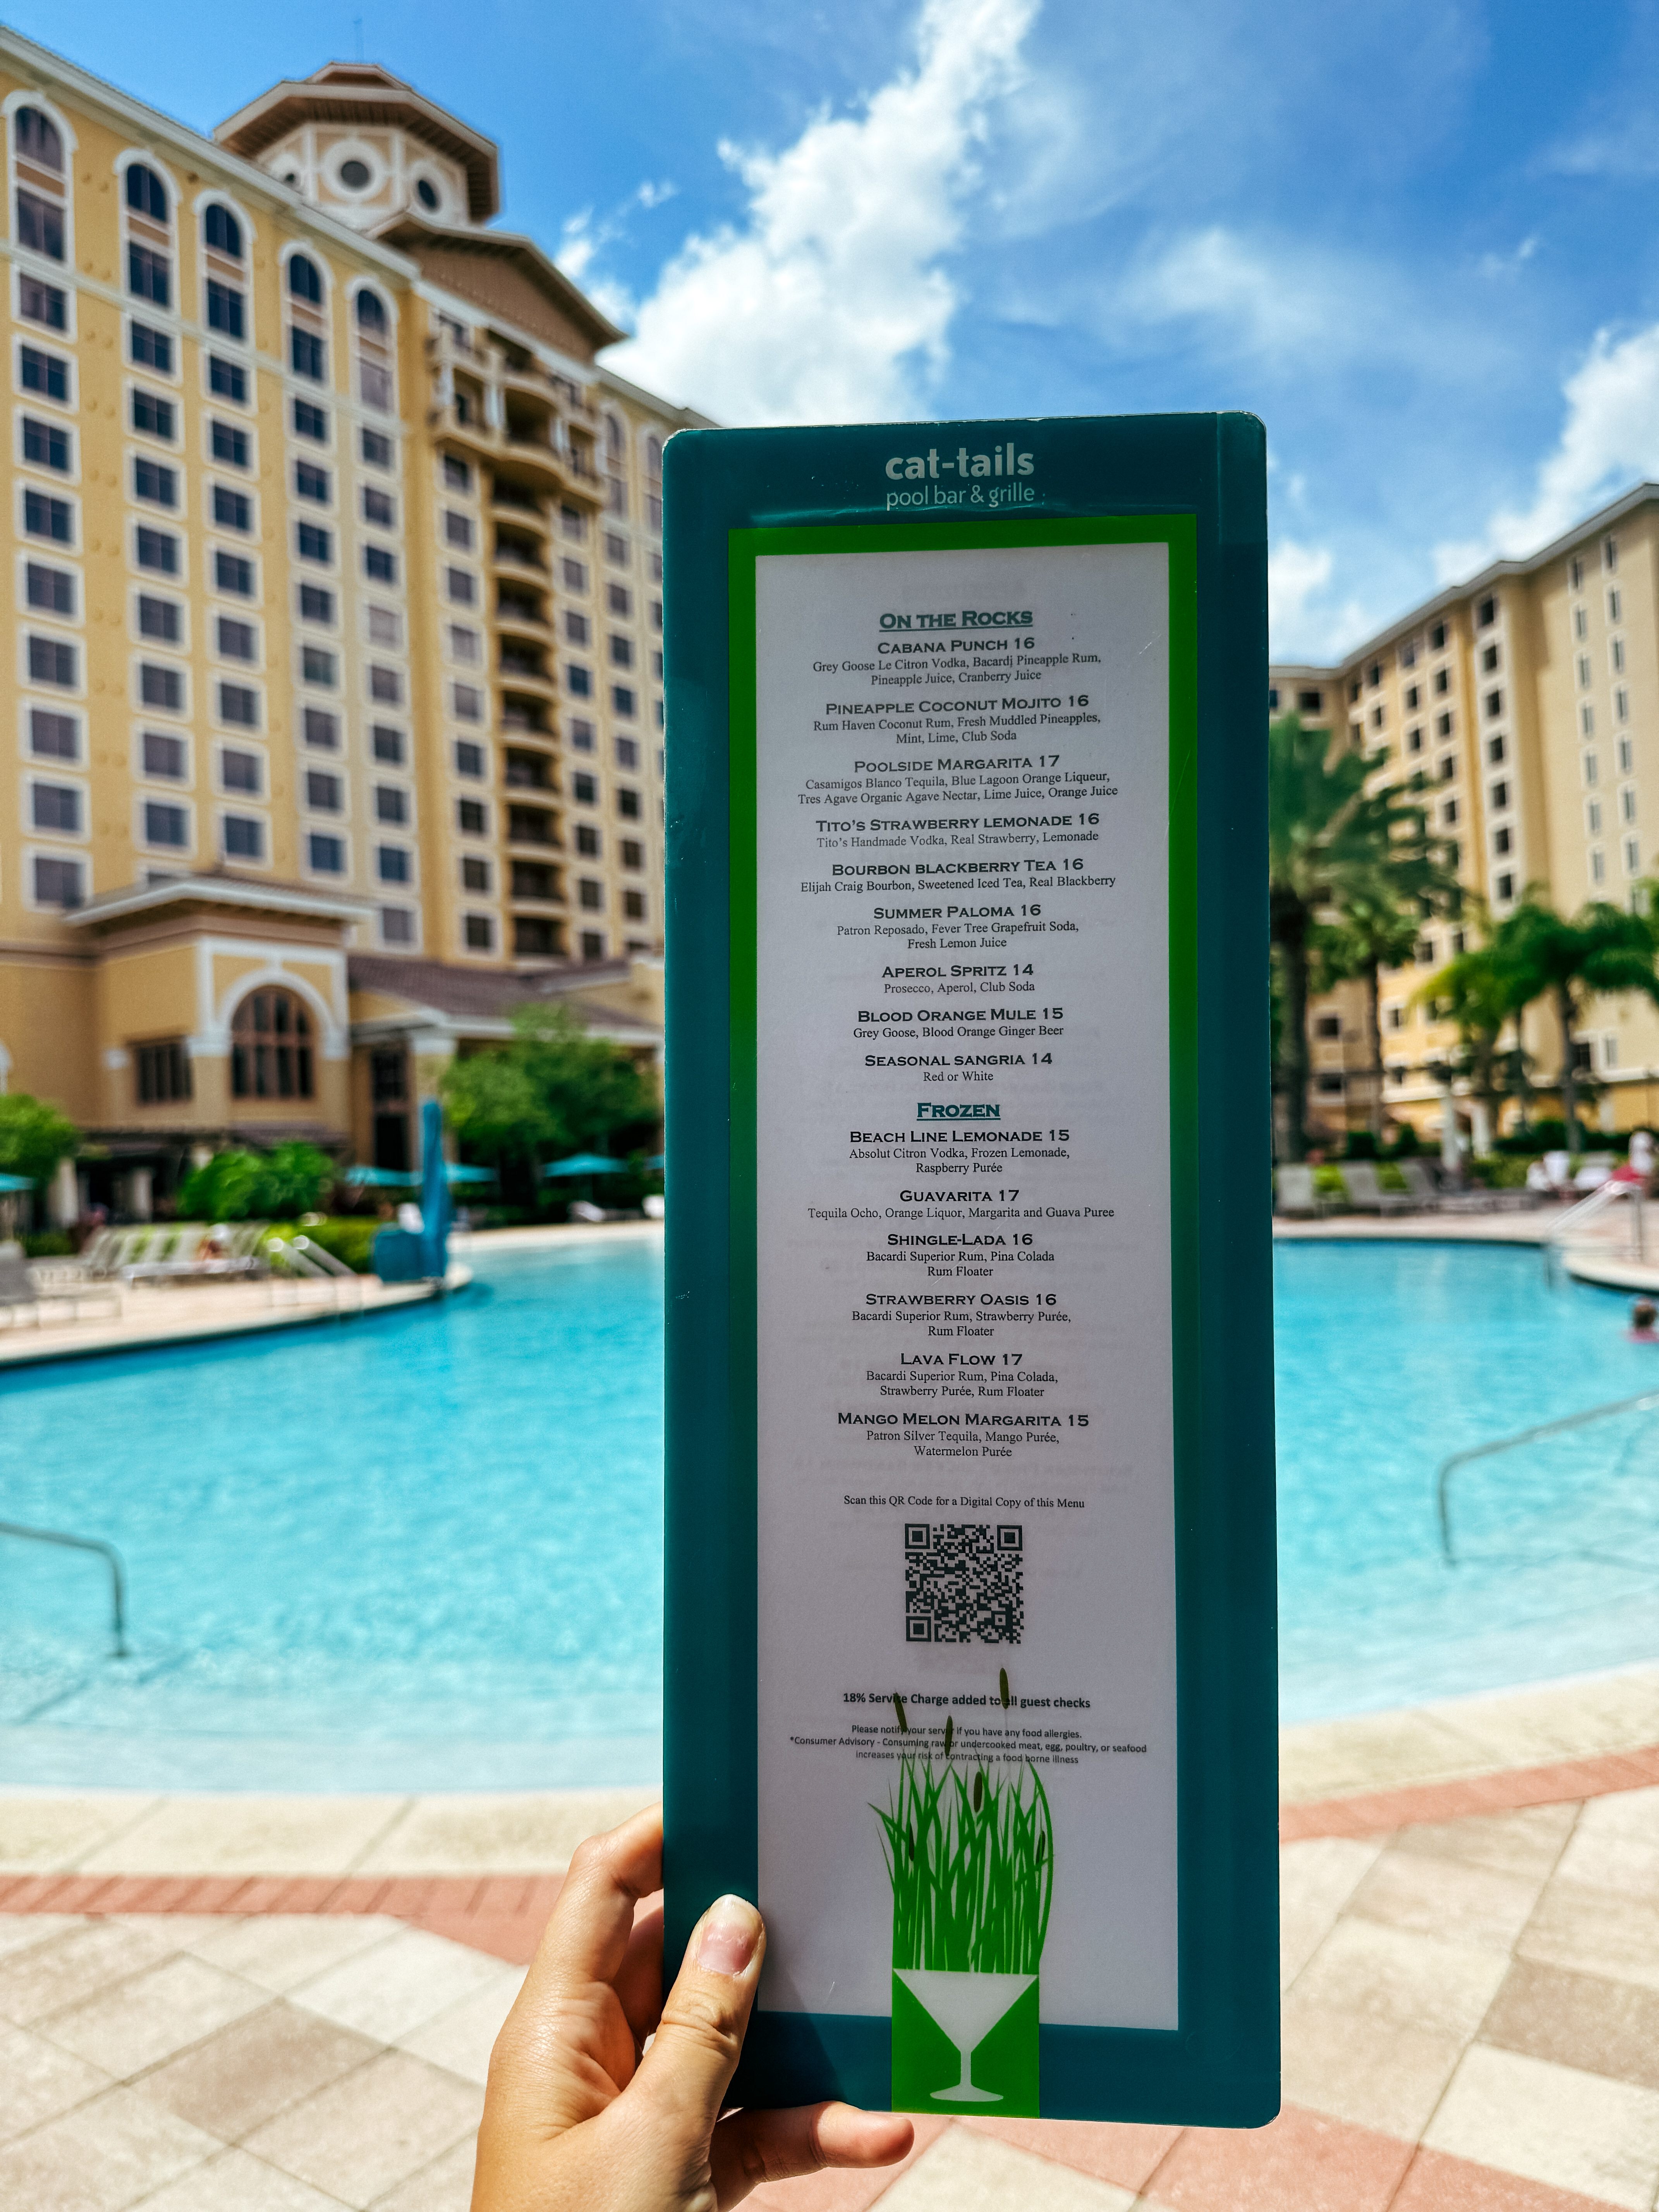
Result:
[
  {"x": 517, "y": 613},
  {"x": 537, "y": 937},
  {"x": 537, "y": 882},
  {"x": 532, "y": 826},
  {"x": 515, "y": 549},
  {"x": 528, "y": 772},
  {"x": 526, "y": 717},
  {"x": 523, "y": 664}
]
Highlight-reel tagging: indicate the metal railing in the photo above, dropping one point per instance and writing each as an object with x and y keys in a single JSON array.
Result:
[
  {"x": 118, "y": 1573},
  {"x": 1448, "y": 1468},
  {"x": 1587, "y": 1209},
  {"x": 307, "y": 1261}
]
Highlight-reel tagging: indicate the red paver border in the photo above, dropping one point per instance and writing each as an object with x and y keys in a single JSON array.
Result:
[
  {"x": 502, "y": 1913},
  {"x": 1509, "y": 1791}
]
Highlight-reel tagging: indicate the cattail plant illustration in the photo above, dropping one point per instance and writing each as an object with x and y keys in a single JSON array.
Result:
[{"x": 972, "y": 1867}]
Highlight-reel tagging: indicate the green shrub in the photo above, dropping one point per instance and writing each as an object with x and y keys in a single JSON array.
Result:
[
  {"x": 1361, "y": 1145},
  {"x": 1329, "y": 1183},
  {"x": 1389, "y": 1177},
  {"x": 1404, "y": 1145},
  {"x": 241, "y": 1186},
  {"x": 349, "y": 1237},
  {"x": 48, "y": 1245},
  {"x": 1494, "y": 1172},
  {"x": 1549, "y": 1135}
]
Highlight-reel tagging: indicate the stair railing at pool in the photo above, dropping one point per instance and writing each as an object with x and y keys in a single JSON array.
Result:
[
  {"x": 304, "y": 1261},
  {"x": 118, "y": 1573},
  {"x": 1448, "y": 1468},
  {"x": 1587, "y": 1209}
]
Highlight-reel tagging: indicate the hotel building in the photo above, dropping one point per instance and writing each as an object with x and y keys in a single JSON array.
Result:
[
  {"x": 336, "y": 707},
  {"x": 1529, "y": 699}
]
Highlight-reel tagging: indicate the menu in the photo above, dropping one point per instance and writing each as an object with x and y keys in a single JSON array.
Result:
[{"x": 967, "y": 1781}]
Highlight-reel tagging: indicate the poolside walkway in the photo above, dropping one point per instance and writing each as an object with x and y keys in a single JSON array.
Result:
[
  {"x": 241, "y": 2004},
  {"x": 1599, "y": 1252}
]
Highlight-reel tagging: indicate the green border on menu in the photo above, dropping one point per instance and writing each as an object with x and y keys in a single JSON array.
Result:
[{"x": 1197, "y": 485}]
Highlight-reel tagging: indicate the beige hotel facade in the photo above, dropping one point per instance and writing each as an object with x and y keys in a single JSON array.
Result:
[
  {"x": 335, "y": 717},
  {"x": 1528, "y": 697}
]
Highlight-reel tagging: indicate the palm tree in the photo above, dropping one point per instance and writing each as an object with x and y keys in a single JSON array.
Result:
[
  {"x": 1334, "y": 844},
  {"x": 1602, "y": 949},
  {"x": 1375, "y": 932},
  {"x": 1478, "y": 991}
]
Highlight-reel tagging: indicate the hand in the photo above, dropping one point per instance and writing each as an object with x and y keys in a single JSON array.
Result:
[{"x": 576, "y": 2119}]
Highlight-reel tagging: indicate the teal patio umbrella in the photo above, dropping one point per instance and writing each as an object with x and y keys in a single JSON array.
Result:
[
  {"x": 379, "y": 1178},
  {"x": 8, "y": 1182},
  {"x": 585, "y": 1163},
  {"x": 457, "y": 1173}
]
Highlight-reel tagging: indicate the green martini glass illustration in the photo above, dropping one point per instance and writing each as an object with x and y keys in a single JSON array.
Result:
[{"x": 967, "y": 2006}]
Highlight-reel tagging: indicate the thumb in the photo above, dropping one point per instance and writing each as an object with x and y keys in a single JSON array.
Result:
[{"x": 689, "y": 2068}]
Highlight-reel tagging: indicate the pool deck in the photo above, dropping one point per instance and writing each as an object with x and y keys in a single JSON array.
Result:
[
  {"x": 153, "y": 1314},
  {"x": 285, "y": 2004}
]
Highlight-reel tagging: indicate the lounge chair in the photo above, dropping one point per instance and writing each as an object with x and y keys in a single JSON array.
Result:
[
  {"x": 1296, "y": 1194},
  {"x": 17, "y": 1289},
  {"x": 22, "y": 1285},
  {"x": 197, "y": 1251},
  {"x": 1366, "y": 1194},
  {"x": 1419, "y": 1184}
]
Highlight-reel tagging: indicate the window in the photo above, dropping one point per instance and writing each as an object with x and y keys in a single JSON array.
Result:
[
  {"x": 161, "y": 687},
  {"x": 1502, "y": 840},
  {"x": 461, "y": 587},
  {"x": 160, "y": 618},
  {"x": 315, "y": 543},
  {"x": 587, "y": 841},
  {"x": 161, "y": 1071},
  {"x": 469, "y": 759},
  {"x": 305, "y": 355},
  {"x": 1586, "y": 719},
  {"x": 468, "y": 704},
  {"x": 1610, "y": 553},
  {"x": 232, "y": 510},
  {"x": 627, "y": 753},
  {"x": 615, "y": 549},
  {"x": 56, "y": 807},
  {"x": 312, "y": 482},
  {"x": 304, "y": 282},
  {"x": 228, "y": 444},
  {"x": 1494, "y": 705},
  {"x": 655, "y": 611},
  {"x": 379, "y": 564},
  {"x": 386, "y": 686},
  {"x": 385, "y": 626},
  {"x": 1449, "y": 814},
  {"x": 317, "y": 664},
  {"x": 619, "y": 601},
  {"x": 463, "y": 642},
  {"x": 622, "y": 653},
  {"x": 592, "y": 945},
  {"x": 458, "y": 529},
  {"x": 240, "y": 705},
  {"x": 1626, "y": 756},
  {"x": 54, "y": 736},
  {"x": 42, "y": 303},
  {"x": 576, "y": 628},
  {"x": 378, "y": 508},
  {"x": 152, "y": 415},
  {"x": 323, "y": 791},
  {"x": 241, "y": 771},
  {"x": 475, "y": 874},
  {"x": 392, "y": 864},
  {"x": 1622, "y": 704},
  {"x": 1496, "y": 749},
  {"x": 227, "y": 380},
  {"x": 628, "y": 803},
  {"x": 151, "y": 481},
  {"x": 458, "y": 477},
  {"x": 316, "y": 604},
  {"x": 388, "y": 745},
  {"x": 243, "y": 836},
  {"x": 375, "y": 447},
  {"x": 1616, "y": 655},
  {"x": 1581, "y": 622},
  {"x": 1441, "y": 682},
  {"x": 46, "y": 444},
  {"x": 40, "y": 224},
  {"x": 1486, "y": 614},
  {"x": 58, "y": 882},
  {"x": 224, "y": 309},
  {"x": 480, "y": 933},
  {"x": 391, "y": 804},
  {"x": 45, "y": 372},
  {"x": 1632, "y": 855},
  {"x": 51, "y": 590},
  {"x": 163, "y": 756},
  {"x": 1448, "y": 767},
  {"x": 238, "y": 640},
  {"x": 633, "y": 905},
  {"x": 591, "y": 894},
  {"x": 271, "y": 1047},
  {"x": 373, "y": 348},
  {"x": 1575, "y": 573},
  {"x": 1583, "y": 672},
  {"x": 471, "y": 818},
  {"x": 52, "y": 661},
  {"x": 166, "y": 825},
  {"x": 1376, "y": 717},
  {"x": 44, "y": 517},
  {"x": 574, "y": 573},
  {"x": 585, "y": 789},
  {"x": 231, "y": 573},
  {"x": 150, "y": 274},
  {"x": 633, "y": 854},
  {"x": 1503, "y": 886},
  {"x": 320, "y": 729},
  {"x": 574, "y": 523},
  {"x": 1489, "y": 659},
  {"x": 579, "y": 681},
  {"x": 1598, "y": 871},
  {"x": 581, "y": 733},
  {"x": 326, "y": 855},
  {"x": 1592, "y": 769},
  {"x": 1615, "y": 604},
  {"x": 622, "y": 701},
  {"x": 397, "y": 925},
  {"x": 1500, "y": 797},
  {"x": 1628, "y": 804}
]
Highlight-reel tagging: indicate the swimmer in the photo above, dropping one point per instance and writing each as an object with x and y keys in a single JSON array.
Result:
[{"x": 1644, "y": 1322}]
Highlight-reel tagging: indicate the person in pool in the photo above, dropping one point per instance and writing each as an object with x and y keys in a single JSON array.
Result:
[
  {"x": 1644, "y": 1322},
  {"x": 579, "y": 2117}
]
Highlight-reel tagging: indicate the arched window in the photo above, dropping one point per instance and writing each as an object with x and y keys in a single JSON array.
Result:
[
  {"x": 374, "y": 386},
  {"x": 222, "y": 231},
  {"x": 613, "y": 437},
  {"x": 303, "y": 281},
  {"x": 42, "y": 198},
  {"x": 371, "y": 312},
  {"x": 145, "y": 193},
  {"x": 39, "y": 140},
  {"x": 308, "y": 354},
  {"x": 654, "y": 458},
  {"x": 271, "y": 1047}
]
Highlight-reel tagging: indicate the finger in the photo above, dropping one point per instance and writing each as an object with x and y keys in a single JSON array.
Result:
[
  {"x": 751, "y": 2148},
  {"x": 587, "y": 1938},
  {"x": 638, "y": 1982},
  {"x": 689, "y": 2068}
]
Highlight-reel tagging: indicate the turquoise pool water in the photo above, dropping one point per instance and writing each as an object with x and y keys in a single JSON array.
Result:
[{"x": 425, "y": 1552}]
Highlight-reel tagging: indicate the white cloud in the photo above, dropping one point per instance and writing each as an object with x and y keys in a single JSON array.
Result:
[
  {"x": 832, "y": 300},
  {"x": 1302, "y": 623},
  {"x": 584, "y": 236},
  {"x": 1610, "y": 438}
]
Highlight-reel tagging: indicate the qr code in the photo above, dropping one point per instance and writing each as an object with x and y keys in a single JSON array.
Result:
[{"x": 963, "y": 1582}]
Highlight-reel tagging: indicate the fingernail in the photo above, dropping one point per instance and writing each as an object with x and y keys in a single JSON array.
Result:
[{"x": 729, "y": 1935}]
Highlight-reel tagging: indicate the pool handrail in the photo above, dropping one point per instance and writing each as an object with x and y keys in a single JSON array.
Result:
[
  {"x": 1447, "y": 1467},
  {"x": 118, "y": 1573},
  {"x": 1594, "y": 1202}
]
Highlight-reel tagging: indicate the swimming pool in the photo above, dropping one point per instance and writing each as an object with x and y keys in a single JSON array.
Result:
[{"x": 425, "y": 1552}]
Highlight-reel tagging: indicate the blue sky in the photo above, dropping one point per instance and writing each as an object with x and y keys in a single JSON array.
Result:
[{"x": 1417, "y": 238}]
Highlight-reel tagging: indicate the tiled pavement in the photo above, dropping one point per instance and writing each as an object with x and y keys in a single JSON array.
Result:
[{"x": 1471, "y": 1922}]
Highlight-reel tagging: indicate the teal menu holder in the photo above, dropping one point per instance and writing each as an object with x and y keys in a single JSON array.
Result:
[{"x": 970, "y": 1670}]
